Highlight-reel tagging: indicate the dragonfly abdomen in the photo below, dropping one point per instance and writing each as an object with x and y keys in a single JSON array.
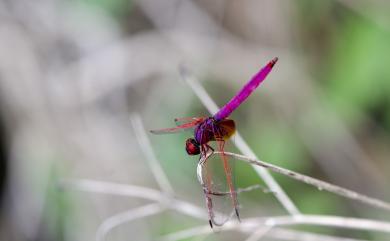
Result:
[{"x": 244, "y": 93}]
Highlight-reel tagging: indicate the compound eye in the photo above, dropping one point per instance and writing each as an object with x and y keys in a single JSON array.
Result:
[{"x": 192, "y": 147}]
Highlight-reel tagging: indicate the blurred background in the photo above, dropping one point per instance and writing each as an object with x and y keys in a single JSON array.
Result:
[{"x": 72, "y": 72}]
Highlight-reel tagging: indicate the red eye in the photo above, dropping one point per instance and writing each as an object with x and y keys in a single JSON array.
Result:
[{"x": 192, "y": 147}]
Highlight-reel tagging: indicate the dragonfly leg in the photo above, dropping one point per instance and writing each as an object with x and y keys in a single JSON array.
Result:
[
  {"x": 237, "y": 214},
  {"x": 203, "y": 150},
  {"x": 206, "y": 148},
  {"x": 210, "y": 148}
]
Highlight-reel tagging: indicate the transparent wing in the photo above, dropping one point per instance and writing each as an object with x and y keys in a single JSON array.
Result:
[
  {"x": 171, "y": 130},
  {"x": 222, "y": 132},
  {"x": 229, "y": 176},
  {"x": 183, "y": 127},
  {"x": 184, "y": 120},
  {"x": 218, "y": 194}
]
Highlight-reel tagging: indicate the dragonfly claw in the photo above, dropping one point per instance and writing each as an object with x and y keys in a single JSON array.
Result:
[
  {"x": 211, "y": 223},
  {"x": 238, "y": 215}
]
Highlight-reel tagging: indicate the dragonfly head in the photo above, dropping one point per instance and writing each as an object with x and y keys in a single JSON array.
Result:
[{"x": 192, "y": 147}]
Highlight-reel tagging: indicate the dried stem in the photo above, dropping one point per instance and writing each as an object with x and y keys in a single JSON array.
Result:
[
  {"x": 321, "y": 185},
  {"x": 123, "y": 217},
  {"x": 293, "y": 235},
  {"x": 248, "y": 225},
  {"x": 240, "y": 143},
  {"x": 135, "y": 191},
  {"x": 154, "y": 164},
  {"x": 259, "y": 227},
  {"x": 259, "y": 233},
  {"x": 329, "y": 221}
]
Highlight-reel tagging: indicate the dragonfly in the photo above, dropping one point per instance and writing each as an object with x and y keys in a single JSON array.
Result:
[{"x": 217, "y": 129}]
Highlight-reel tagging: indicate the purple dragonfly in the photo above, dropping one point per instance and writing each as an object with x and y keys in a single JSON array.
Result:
[{"x": 219, "y": 129}]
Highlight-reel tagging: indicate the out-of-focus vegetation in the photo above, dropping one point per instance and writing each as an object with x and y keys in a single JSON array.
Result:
[{"x": 71, "y": 72}]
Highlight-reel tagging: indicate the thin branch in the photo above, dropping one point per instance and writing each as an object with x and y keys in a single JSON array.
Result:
[
  {"x": 330, "y": 221},
  {"x": 293, "y": 235},
  {"x": 191, "y": 232},
  {"x": 110, "y": 188},
  {"x": 321, "y": 185},
  {"x": 144, "y": 143},
  {"x": 248, "y": 225},
  {"x": 123, "y": 217},
  {"x": 278, "y": 233},
  {"x": 259, "y": 233},
  {"x": 240, "y": 143},
  {"x": 94, "y": 186}
]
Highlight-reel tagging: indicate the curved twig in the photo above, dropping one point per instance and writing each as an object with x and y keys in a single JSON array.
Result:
[
  {"x": 249, "y": 225},
  {"x": 321, "y": 185},
  {"x": 154, "y": 164},
  {"x": 111, "y": 188},
  {"x": 123, "y": 217}
]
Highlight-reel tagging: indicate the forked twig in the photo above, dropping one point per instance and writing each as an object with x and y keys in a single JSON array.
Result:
[
  {"x": 263, "y": 225},
  {"x": 321, "y": 185},
  {"x": 247, "y": 225},
  {"x": 110, "y": 188}
]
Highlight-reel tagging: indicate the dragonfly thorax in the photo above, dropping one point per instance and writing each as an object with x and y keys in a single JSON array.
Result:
[
  {"x": 206, "y": 131},
  {"x": 203, "y": 133}
]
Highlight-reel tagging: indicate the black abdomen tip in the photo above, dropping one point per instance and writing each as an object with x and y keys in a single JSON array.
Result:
[{"x": 273, "y": 62}]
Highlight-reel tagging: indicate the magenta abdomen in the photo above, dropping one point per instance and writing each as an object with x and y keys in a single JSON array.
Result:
[{"x": 244, "y": 93}]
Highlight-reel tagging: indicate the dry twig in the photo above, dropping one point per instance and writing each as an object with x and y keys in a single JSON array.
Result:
[{"x": 321, "y": 185}]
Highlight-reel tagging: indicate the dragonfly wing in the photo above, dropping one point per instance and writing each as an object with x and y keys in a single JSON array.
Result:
[
  {"x": 171, "y": 130},
  {"x": 183, "y": 127},
  {"x": 229, "y": 176},
  {"x": 184, "y": 120},
  {"x": 217, "y": 194}
]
